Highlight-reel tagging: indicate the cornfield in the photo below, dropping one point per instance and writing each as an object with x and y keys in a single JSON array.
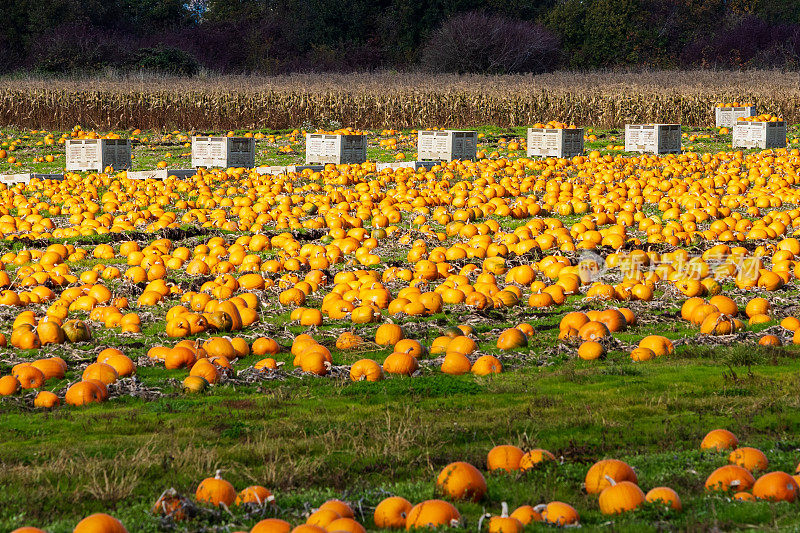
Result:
[{"x": 605, "y": 100}]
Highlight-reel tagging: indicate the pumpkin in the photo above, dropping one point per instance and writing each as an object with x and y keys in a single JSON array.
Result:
[
  {"x": 659, "y": 344},
  {"x": 409, "y": 346},
  {"x": 315, "y": 362},
  {"x": 560, "y": 514},
  {"x": 461, "y": 345},
  {"x": 664, "y": 496},
  {"x": 265, "y": 346},
  {"x": 725, "y": 305},
  {"x": 389, "y": 335},
  {"x": 620, "y": 498},
  {"x": 207, "y": 370},
  {"x": 219, "y": 321},
  {"x": 504, "y": 457},
  {"x": 534, "y": 458},
  {"x": 348, "y": 341},
  {"x": 52, "y": 367},
  {"x": 487, "y": 364},
  {"x": 593, "y": 330},
  {"x": 343, "y": 509},
  {"x": 254, "y": 494},
  {"x": 28, "y": 376},
  {"x": 504, "y": 523},
  {"x": 102, "y": 372},
  {"x": 170, "y": 504},
  {"x": 50, "y": 333},
  {"x": 591, "y": 350},
  {"x": 215, "y": 491},
  {"x": 757, "y": 306},
  {"x": 219, "y": 346},
  {"x": 29, "y": 529},
  {"x": 744, "y": 497},
  {"x": 322, "y": 517},
  {"x": 82, "y": 393},
  {"x": 76, "y": 331},
  {"x": 179, "y": 357},
  {"x": 729, "y": 477},
  {"x": 271, "y": 525},
  {"x": 719, "y": 439},
  {"x": 346, "y": 525},
  {"x": 511, "y": 339},
  {"x": 750, "y": 458},
  {"x": 526, "y": 515},
  {"x": 461, "y": 481},
  {"x": 640, "y": 354},
  {"x": 195, "y": 384},
  {"x": 432, "y": 514},
  {"x": 391, "y": 513},
  {"x": 366, "y": 370},
  {"x": 599, "y": 474},
  {"x": 46, "y": 400},
  {"x": 400, "y": 363},
  {"x": 100, "y": 522},
  {"x": 456, "y": 364},
  {"x": 770, "y": 340},
  {"x": 308, "y": 528},
  {"x": 776, "y": 486}
]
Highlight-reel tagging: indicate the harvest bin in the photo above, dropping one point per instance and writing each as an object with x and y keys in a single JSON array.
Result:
[
  {"x": 161, "y": 174},
  {"x": 550, "y": 142},
  {"x": 653, "y": 138},
  {"x": 324, "y": 148},
  {"x": 725, "y": 117},
  {"x": 446, "y": 145},
  {"x": 223, "y": 152},
  {"x": 12, "y": 179},
  {"x": 97, "y": 154},
  {"x": 759, "y": 135}
]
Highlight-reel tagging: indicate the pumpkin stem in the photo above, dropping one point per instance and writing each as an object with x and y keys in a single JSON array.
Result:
[
  {"x": 218, "y": 474},
  {"x": 480, "y": 520},
  {"x": 541, "y": 507},
  {"x": 504, "y": 507},
  {"x": 610, "y": 480}
]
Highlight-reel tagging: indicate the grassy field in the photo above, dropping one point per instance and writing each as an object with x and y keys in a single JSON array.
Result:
[
  {"x": 393, "y": 100},
  {"x": 312, "y": 438}
]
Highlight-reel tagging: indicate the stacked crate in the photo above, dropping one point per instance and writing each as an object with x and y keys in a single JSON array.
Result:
[
  {"x": 550, "y": 142},
  {"x": 324, "y": 148},
  {"x": 96, "y": 154},
  {"x": 762, "y": 135},
  {"x": 447, "y": 145},
  {"x": 427, "y": 165},
  {"x": 653, "y": 138},
  {"x": 13, "y": 179},
  {"x": 726, "y": 117},
  {"x": 161, "y": 174},
  {"x": 223, "y": 152}
]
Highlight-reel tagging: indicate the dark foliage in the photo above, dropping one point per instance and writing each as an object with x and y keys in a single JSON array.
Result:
[
  {"x": 747, "y": 41},
  {"x": 493, "y": 44},
  {"x": 271, "y": 37}
]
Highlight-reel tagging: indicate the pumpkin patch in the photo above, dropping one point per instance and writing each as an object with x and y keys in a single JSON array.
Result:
[{"x": 359, "y": 347}]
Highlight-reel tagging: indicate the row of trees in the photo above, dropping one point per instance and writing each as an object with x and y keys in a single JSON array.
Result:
[{"x": 272, "y": 36}]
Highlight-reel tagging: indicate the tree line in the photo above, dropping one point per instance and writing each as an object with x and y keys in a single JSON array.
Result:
[{"x": 489, "y": 36}]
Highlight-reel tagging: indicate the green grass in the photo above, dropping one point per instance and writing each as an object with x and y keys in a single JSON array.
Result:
[{"x": 310, "y": 439}]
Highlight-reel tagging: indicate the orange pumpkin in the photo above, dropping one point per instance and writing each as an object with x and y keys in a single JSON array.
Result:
[
  {"x": 504, "y": 457},
  {"x": 461, "y": 481},
  {"x": 432, "y": 514},
  {"x": 215, "y": 490},
  {"x": 392, "y": 512}
]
